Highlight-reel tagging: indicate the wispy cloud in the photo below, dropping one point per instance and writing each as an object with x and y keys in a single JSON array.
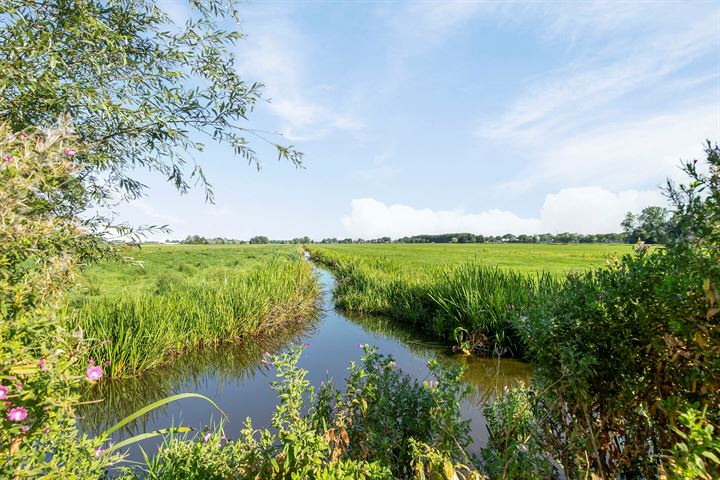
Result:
[
  {"x": 219, "y": 211},
  {"x": 149, "y": 211},
  {"x": 381, "y": 168},
  {"x": 625, "y": 114},
  {"x": 624, "y": 154},
  {"x": 277, "y": 54},
  {"x": 567, "y": 97}
]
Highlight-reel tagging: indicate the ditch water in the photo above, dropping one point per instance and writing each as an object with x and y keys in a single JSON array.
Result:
[{"x": 235, "y": 378}]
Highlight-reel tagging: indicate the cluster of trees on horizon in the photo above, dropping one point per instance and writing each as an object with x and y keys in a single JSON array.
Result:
[{"x": 653, "y": 225}]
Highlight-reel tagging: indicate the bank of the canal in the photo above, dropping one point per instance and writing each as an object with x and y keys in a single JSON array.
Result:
[{"x": 235, "y": 378}]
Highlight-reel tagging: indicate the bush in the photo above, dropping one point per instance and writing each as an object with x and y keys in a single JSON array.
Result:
[
  {"x": 622, "y": 353},
  {"x": 41, "y": 242},
  {"x": 383, "y": 426},
  {"x": 512, "y": 451}
]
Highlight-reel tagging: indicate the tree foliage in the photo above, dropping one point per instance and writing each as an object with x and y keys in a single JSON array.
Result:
[
  {"x": 141, "y": 90},
  {"x": 652, "y": 225},
  {"x": 625, "y": 353}
]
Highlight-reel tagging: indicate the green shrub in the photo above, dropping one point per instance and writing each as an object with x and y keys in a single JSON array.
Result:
[
  {"x": 697, "y": 451},
  {"x": 40, "y": 368},
  {"x": 512, "y": 451},
  {"x": 622, "y": 352},
  {"x": 384, "y": 425},
  {"x": 382, "y": 408}
]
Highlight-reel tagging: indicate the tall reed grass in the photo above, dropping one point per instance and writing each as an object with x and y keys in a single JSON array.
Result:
[
  {"x": 469, "y": 304},
  {"x": 180, "y": 305}
]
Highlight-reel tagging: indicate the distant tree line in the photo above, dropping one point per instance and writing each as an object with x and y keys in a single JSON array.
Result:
[
  {"x": 259, "y": 239},
  {"x": 566, "y": 237},
  {"x": 357, "y": 240},
  {"x": 651, "y": 225},
  {"x": 198, "y": 240}
]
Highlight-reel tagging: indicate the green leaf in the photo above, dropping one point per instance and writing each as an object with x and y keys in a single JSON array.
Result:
[
  {"x": 144, "y": 436},
  {"x": 711, "y": 456},
  {"x": 153, "y": 406}
]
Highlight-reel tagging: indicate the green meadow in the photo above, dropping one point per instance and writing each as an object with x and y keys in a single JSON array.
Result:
[
  {"x": 172, "y": 298},
  {"x": 468, "y": 295},
  {"x": 526, "y": 258}
]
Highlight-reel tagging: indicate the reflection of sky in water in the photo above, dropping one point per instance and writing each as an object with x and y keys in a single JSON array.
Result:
[{"x": 234, "y": 378}]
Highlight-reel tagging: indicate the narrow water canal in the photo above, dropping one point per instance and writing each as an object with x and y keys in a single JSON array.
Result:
[{"x": 239, "y": 383}]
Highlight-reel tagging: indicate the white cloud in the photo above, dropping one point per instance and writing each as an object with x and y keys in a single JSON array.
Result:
[
  {"x": 580, "y": 209},
  {"x": 593, "y": 209},
  {"x": 624, "y": 154},
  {"x": 370, "y": 218},
  {"x": 563, "y": 101},
  {"x": 149, "y": 211},
  {"x": 277, "y": 54}
]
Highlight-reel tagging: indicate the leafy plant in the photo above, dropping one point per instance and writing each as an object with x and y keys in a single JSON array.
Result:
[
  {"x": 512, "y": 451},
  {"x": 697, "y": 452},
  {"x": 622, "y": 352},
  {"x": 141, "y": 89},
  {"x": 41, "y": 242},
  {"x": 364, "y": 432}
]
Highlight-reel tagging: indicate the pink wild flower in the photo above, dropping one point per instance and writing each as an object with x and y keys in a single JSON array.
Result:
[
  {"x": 3, "y": 392},
  {"x": 17, "y": 414},
  {"x": 94, "y": 373},
  {"x": 70, "y": 152}
]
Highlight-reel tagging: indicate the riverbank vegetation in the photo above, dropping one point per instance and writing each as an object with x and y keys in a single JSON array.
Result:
[
  {"x": 627, "y": 357},
  {"x": 175, "y": 298},
  {"x": 467, "y": 295},
  {"x": 627, "y": 371},
  {"x": 382, "y": 425},
  {"x": 468, "y": 305}
]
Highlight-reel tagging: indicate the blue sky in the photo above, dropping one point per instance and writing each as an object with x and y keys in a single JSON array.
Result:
[{"x": 430, "y": 117}]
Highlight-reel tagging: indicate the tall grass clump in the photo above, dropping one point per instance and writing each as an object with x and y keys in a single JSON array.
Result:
[
  {"x": 469, "y": 304},
  {"x": 135, "y": 329}
]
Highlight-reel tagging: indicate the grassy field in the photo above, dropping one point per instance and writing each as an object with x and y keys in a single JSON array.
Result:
[
  {"x": 468, "y": 295},
  {"x": 526, "y": 258},
  {"x": 179, "y": 297}
]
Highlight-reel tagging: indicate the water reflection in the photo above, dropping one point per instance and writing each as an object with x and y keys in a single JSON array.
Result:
[
  {"x": 485, "y": 376},
  {"x": 234, "y": 378},
  {"x": 204, "y": 369}
]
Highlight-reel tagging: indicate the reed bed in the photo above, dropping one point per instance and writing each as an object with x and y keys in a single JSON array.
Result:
[
  {"x": 183, "y": 298},
  {"x": 471, "y": 305}
]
